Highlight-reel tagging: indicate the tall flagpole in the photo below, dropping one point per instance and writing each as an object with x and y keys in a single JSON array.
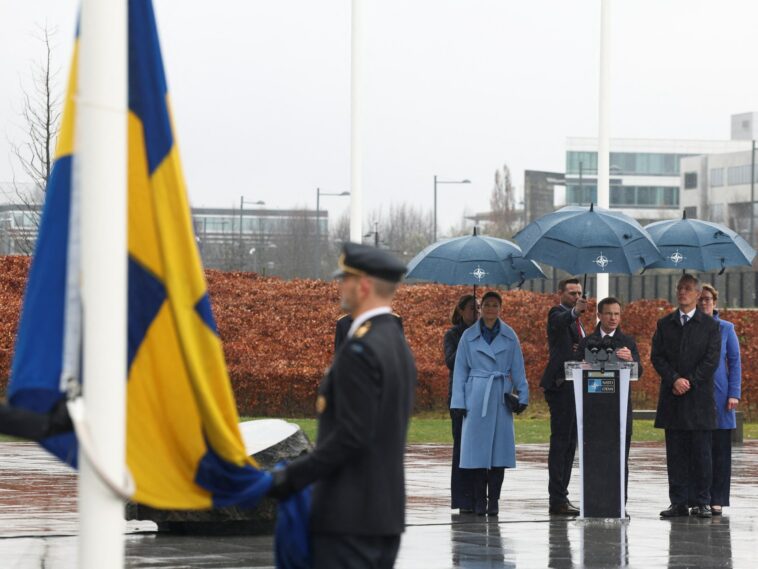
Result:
[
  {"x": 603, "y": 147},
  {"x": 100, "y": 164},
  {"x": 356, "y": 123}
]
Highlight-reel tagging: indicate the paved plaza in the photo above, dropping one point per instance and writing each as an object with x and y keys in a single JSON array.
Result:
[{"x": 38, "y": 522}]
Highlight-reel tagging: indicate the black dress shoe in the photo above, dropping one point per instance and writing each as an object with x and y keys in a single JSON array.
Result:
[
  {"x": 465, "y": 511},
  {"x": 565, "y": 509},
  {"x": 701, "y": 512},
  {"x": 492, "y": 508},
  {"x": 675, "y": 511}
]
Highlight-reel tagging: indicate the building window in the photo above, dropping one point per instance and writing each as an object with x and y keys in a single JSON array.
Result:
[
  {"x": 626, "y": 163},
  {"x": 625, "y": 196},
  {"x": 738, "y": 175},
  {"x": 717, "y": 177},
  {"x": 690, "y": 180}
]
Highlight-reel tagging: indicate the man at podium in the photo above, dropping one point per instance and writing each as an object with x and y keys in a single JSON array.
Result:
[{"x": 609, "y": 316}]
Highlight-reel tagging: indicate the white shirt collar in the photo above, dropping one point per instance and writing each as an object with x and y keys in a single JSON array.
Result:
[
  {"x": 690, "y": 314},
  {"x": 603, "y": 334},
  {"x": 368, "y": 315}
]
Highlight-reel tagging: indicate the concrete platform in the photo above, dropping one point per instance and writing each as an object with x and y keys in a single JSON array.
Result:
[{"x": 38, "y": 522}]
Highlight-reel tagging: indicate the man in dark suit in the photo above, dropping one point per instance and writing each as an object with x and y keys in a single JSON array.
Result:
[
  {"x": 609, "y": 314},
  {"x": 364, "y": 405},
  {"x": 685, "y": 353},
  {"x": 564, "y": 332}
]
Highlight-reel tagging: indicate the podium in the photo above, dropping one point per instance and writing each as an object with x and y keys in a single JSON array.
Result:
[{"x": 601, "y": 393}]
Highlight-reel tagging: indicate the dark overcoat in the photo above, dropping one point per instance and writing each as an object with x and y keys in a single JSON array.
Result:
[
  {"x": 563, "y": 337},
  {"x": 450, "y": 345},
  {"x": 691, "y": 351},
  {"x": 364, "y": 406}
]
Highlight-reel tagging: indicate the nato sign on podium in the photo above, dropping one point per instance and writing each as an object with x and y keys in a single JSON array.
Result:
[{"x": 601, "y": 392}]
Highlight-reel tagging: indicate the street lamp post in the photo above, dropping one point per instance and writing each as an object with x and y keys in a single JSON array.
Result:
[
  {"x": 243, "y": 201},
  {"x": 752, "y": 195},
  {"x": 374, "y": 234},
  {"x": 436, "y": 181},
  {"x": 319, "y": 193}
]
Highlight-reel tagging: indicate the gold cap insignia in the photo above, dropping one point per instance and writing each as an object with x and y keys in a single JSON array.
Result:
[
  {"x": 363, "y": 330},
  {"x": 320, "y": 404}
]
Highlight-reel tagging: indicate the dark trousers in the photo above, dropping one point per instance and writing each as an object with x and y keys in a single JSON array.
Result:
[
  {"x": 487, "y": 485},
  {"x": 560, "y": 458},
  {"x": 688, "y": 461},
  {"x": 721, "y": 455},
  {"x": 354, "y": 551},
  {"x": 461, "y": 484}
]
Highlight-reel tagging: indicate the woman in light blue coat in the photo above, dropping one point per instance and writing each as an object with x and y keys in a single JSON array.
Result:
[
  {"x": 727, "y": 383},
  {"x": 488, "y": 366}
]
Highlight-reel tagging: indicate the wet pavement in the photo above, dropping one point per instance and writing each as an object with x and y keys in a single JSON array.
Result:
[{"x": 38, "y": 521}]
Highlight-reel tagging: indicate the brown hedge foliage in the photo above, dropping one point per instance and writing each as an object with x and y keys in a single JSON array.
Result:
[{"x": 278, "y": 335}]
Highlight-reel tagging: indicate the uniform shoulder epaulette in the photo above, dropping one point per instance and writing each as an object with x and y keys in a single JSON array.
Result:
[
  {"x": 343, "y": 316},
  {"x": 396, "y": 315},
  {"x": 362, "y": 330}
]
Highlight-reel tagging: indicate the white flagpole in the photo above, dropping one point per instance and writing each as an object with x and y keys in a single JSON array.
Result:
[
  {"x": 603, "y": 150},
  {"x": 356, "y": 123},
  {"x": 100, "y": 164}
]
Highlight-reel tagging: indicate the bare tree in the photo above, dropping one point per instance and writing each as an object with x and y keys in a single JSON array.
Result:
[
  {"x": 505, "y": 220},
  {"x": 41, "y": 113},
  {"x": 405, "y": 230}
]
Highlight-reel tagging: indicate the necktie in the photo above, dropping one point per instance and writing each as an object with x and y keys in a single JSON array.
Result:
[
  {"x": 685, "y": 319},
  {"x": 579, "y": 328}
]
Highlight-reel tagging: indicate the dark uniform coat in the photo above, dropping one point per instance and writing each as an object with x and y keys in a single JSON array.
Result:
[
  {"x": 691, "y": 351},
  {"x": 450, "y": 344},
  {"x": 343, "y": 327},
  {"x": 364, "y": 405},
  {"x": 562, "y": 337}
]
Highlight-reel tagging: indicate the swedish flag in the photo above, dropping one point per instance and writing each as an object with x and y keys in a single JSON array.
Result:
[{"x": 184, "y": 448}]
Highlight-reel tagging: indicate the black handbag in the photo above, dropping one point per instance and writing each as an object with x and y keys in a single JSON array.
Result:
[{"x": 512, "y": 402}]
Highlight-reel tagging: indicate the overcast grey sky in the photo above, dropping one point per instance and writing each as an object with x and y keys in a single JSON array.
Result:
[{"x": 261, "y": 88}]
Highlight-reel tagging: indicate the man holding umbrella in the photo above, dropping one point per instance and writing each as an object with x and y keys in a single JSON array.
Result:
[{"x": 564, "y": 333}]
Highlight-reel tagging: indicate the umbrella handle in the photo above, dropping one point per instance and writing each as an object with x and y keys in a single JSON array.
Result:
[
  {"x": 723, "y": 266},
  {"x": 584, "y": 287}
]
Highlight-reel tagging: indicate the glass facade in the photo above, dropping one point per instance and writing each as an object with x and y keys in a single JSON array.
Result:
[
  {"x": 739, "y": 175},
  {"x": 717, "y": 177},
  {"x": 626, "y": 163},
  {"x": 625, "y": 196},
  {"x": 268, "y": 225}
]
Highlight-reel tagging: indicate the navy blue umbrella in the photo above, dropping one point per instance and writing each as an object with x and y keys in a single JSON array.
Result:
[
  {"x": 473, "y": 260},
  {"x": 588, "y": 240},
  {"x": 700, "y": 245}
]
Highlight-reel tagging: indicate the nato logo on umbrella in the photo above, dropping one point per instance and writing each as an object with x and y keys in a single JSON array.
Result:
[
  {"x": 479, "y": 273},
  {"x": 676, "y": 257},
  {"x": 602, "y": 261}
]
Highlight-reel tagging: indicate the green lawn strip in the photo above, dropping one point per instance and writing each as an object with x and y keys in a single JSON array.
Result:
[{"x": 436, "y": 430}]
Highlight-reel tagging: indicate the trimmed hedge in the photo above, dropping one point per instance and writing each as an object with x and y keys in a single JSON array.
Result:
[{"x": 278, "y": 336}]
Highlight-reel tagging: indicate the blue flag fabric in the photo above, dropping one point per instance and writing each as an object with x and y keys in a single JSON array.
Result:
[{"x": 292, "y": 546}]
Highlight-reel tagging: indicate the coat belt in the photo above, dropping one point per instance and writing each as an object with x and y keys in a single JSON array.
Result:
[{"x": 491, "y": 377}]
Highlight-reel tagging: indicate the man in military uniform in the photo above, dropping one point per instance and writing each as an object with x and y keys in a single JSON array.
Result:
[
  {"x": 364, "y": 405},
  {"x": 343, "y": 326}
]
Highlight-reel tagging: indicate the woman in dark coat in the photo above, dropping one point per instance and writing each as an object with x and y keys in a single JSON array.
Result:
[
  {"x": 464, "y": 315},
  {"x": 726, "y": 385}
]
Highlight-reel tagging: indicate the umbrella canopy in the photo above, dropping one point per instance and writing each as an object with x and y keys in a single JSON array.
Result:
[
  {"x": 699, "y": 245},
  {"x": 473, "y": 260},
  {"x": 588, "y": 240}
]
